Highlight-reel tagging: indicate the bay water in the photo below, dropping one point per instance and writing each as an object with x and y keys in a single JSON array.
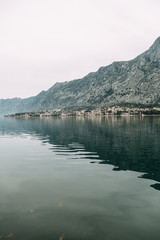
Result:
[{"x": 73, "y": 178}]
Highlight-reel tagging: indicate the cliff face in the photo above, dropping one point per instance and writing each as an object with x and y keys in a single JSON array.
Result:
[{"x": 135, "y": 82}]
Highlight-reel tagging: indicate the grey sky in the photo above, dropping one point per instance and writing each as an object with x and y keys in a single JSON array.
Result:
[{"x": 46, "y": 41}]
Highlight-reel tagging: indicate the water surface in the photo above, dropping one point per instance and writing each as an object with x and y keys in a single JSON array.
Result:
[{"x": 80, "y": 178}]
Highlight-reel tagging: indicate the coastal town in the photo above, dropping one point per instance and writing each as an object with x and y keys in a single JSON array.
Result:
[{"x": 116, "y": 110}]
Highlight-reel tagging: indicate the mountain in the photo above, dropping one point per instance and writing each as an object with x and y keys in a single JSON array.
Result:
[{"x": 133, "y": 83}]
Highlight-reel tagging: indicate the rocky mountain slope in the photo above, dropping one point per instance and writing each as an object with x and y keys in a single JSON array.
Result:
[{"x": 135, "y": 82}]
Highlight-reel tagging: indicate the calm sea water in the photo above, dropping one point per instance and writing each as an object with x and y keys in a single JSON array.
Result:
[{"x": 80, "y": 178}]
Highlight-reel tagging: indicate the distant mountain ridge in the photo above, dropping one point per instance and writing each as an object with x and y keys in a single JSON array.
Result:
[{"x": 133, "y": 83}]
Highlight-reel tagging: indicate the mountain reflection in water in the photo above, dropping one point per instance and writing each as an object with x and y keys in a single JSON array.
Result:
[
  {"x": 50, "y": 190},
  {"x": 127, "y": 143}
]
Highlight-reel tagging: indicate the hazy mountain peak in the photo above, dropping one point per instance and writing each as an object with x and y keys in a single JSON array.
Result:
[
  {"x": 157, "y": 41},
  {"x": 135, "y": 82},
  {"x": 154, "y": 50}
]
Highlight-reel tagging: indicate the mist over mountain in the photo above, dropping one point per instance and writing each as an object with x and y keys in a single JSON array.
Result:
[{"x": 126, "y": 83}]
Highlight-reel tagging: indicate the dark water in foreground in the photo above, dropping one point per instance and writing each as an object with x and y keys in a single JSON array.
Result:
[{"x": 75, "y": 178}]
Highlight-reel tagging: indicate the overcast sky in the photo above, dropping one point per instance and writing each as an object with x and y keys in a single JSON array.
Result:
[{"x": 46, "y": 41}]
